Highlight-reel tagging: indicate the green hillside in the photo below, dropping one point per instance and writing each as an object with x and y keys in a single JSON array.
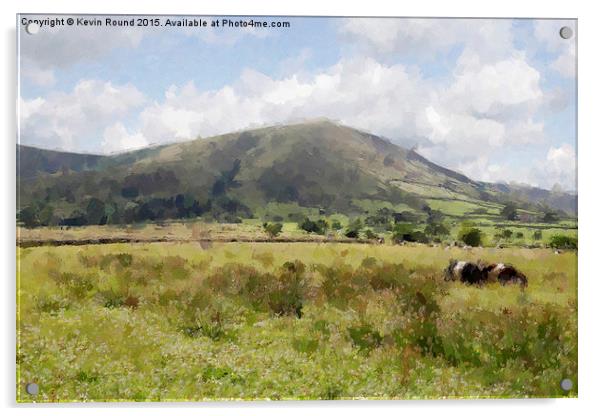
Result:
[
  {"x": 273, "y": 172},
  {"x": 32, "y": 162}
]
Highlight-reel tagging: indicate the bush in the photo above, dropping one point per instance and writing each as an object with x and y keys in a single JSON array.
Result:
[
  {"x": 436, "y": 229},
  {"x": 281, "y": 294},
  {"x": 211, "y": 327},
  {"x": 28, "y": 217},
  {"x": 537, "y": 235},
  {"x": 272, "y": 229},
  {"x": 317, "y": 227},
  {"x": 388, "y": 276},
  {"x": 507, "y": 234},
  {"x": 563, "y": 241},
  {"x": 305, "y": 345},
  {"x": 336, "y": 225},
  {"x": 371, "y": 235},
  {"x": 51, "y": 304},
  {"x": 550, "y": 217},
  {"x": 416, "y": 237},
  {"x": 401, "y": 230},
  {"x": 509, "y": 212},
  {"x": 288, "y": 295},
  {"x": 352, "y": 234},
  {"x": 365, "y": 337},
  {"x": 337, "y": 286},
  {"x": 406, "y": 232},
  {"x": 354, "y": 228},
  {"x": 471, "y": 236}
]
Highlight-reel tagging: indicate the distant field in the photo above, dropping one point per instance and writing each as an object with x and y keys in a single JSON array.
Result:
[
  {"x": 191, "y": 321},
  {"x": 171, "y": 231},
  {"x": 252, "y": 231}
]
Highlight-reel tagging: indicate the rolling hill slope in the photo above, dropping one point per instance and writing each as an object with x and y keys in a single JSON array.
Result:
[
  {"x": 290, "y": 168},
  {"x": 32, "y": 161}
]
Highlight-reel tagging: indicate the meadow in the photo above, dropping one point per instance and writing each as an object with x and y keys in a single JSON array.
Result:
[
  {"x": 250, "y": 230},
  {"x": 180, "y": 321}
]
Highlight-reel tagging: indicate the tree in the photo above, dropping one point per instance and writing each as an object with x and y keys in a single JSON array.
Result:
[
  {"x": 112, "y": 212},
  {"x": 471, "y": 236},
  {"x": 272, "y": 229},
  {"x": 509, "y": 212},
  {"x": 434, "y": 216},
  {"x": 354, "y": 228},
  {"x": 550, "y": 216},
  {"x": 480, "y": 211},
  {"x": 406, "y": 216},
  {"x": 436, "y": 229},
  {"x": 349, "y": 233},
  {"x": 226, "y": 180},
  {"x": 317, "y": 227},
  {"x": 406, "y": 232},
  {"x": 563, "y": 241},
  {"x": 380, "y": 219},
  {"x": 371, "y": 235},
  {"x": 95, "y": 212},
  {"x": 76, "y": 219},
  {"x": 46, "y": 215},
  {"x": 336, "y": 225},
  {"x": 28, "y": 217},
  {"x": 129, "y": 192}
]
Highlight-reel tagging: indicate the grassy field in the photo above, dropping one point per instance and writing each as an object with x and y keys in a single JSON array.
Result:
[
  {"x": 251, "y": 230},
  {"x": 190, "y": 321}
]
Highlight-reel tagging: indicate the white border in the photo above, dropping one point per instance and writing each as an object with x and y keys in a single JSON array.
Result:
[{"x": 590, "y": 72}]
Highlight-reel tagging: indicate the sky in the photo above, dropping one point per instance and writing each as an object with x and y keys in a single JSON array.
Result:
[{"x": 494, "y": 99}]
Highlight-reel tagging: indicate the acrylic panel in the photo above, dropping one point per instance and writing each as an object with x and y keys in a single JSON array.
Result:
[{"x": 295, "y": 208}]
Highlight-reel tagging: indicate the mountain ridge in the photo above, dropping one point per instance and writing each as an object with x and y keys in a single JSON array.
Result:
[{"x": 311, "y": 164}]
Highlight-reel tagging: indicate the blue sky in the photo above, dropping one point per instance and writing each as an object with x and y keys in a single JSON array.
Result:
[{"x": 494, "y": 99}]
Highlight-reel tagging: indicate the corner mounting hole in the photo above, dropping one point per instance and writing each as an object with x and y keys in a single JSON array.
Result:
[
  {"x": 566, "y": 384},
  {"x": 566, "y": 32},
  {"x": 32, "y": 388},
  {"x": 32, "y": 28}
]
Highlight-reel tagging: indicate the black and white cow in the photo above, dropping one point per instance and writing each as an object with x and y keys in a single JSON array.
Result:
[
  {"x": 479, "y": 273},
  {"x": 465, "y": 272},
  {"x": 505, "y": 273}
]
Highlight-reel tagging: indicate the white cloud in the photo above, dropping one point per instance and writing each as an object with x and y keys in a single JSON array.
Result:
[
  {"x": 116, "y": 138},
  {"x": 61, "y": 46},
  {"x": 491, "y": 101},
  {"x": 491, "y": 89},
  {"x": 560, "y": 157},
  {"x": 41, "y": 77},
  {"x": 565, "y": 64},
  {"x": 27, "y": 108},
  {"x": 73, "y": 120},
  {"x": 425, "y": 37},
  {"x": 547, "y": 32},
  {"x": 58, "y": 47},
  {"x": 484, "y": 108},
  {"x": 559, "y": 168},
  {"x": 553, "y": 169},
  {"x": 360, "y": 93}
]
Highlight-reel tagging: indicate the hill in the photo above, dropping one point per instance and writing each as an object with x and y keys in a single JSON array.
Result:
[
  {"x": 32, "y": 161},
  {"x": 270, "y": 173}
]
